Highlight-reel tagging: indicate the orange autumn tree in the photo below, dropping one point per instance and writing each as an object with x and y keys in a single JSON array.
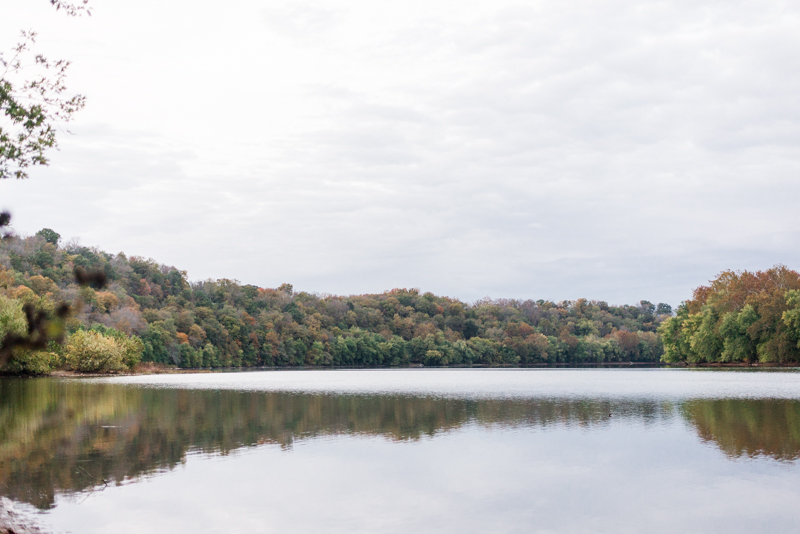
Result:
[{"x": 739, "y": 317}]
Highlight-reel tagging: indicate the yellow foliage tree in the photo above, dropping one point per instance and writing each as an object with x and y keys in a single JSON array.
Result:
[{"x": 93, "y": 352}]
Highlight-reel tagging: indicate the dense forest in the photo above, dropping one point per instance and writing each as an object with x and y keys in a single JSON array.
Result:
[
  {"x": 153, "y": 313},
  {"x": 740, "y": 317}
]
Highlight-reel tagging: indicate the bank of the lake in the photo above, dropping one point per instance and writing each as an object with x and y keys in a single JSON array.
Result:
[{"x": 161, "y": 369}]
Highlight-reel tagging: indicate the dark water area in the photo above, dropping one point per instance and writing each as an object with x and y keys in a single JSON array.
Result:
[{"x": 394, "y": 451}]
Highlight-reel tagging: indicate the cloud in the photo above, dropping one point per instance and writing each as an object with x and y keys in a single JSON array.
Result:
[{"x": 611, "y": 150}]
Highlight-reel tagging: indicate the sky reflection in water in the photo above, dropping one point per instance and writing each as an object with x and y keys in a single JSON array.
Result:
[{"x": 358, "y": 453}]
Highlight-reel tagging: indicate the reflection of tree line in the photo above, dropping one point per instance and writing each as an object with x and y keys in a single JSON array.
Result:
[
  {"x": 58, "y": 436},
  {"x": 743, "y": 427}
]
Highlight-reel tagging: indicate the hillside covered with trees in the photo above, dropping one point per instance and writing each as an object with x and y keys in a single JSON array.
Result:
[
  {"x": 740, "y": 317},
  {"x": 152, "y": 312}
]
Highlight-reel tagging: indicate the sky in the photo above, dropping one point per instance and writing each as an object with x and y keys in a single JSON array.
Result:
[{"x": 613, "y": 150}]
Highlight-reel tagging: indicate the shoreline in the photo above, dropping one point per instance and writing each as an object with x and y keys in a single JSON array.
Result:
[{"x": 156, "y": 370}]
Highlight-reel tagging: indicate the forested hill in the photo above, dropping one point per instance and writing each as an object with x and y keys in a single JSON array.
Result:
[
  {"x": 739, "y": 317},
  {"x": 223, "y": 323}
]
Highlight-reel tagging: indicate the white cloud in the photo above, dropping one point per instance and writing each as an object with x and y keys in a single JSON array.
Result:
[{"x": 614, "y": 150}]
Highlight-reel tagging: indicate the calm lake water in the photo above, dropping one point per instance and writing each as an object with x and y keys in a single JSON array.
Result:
[{"x": 414, "y": 450}]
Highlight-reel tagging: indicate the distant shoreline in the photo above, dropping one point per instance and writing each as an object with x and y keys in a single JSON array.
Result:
[{"x": 151, "y": 370}]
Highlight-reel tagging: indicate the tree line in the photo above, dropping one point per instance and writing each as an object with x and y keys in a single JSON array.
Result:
[
  {"x": 739, "y": 317},
  {"x": 153, "y": 313}
]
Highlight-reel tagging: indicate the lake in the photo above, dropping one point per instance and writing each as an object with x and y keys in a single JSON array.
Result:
[{"x": 407, "y": 450}]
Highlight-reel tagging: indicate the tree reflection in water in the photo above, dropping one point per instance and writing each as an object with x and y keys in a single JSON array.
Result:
[
  {"x": 64, "y": 436},
  {"x": 747, "y": 427}
]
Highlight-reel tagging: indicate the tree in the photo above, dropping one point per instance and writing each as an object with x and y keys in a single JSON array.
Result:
[
  {"x": 49, "y": 235},
  {"x": 33, "y": 104},
  {"x": 33, "y": 101},
  {"x": 92, "y": 351},
  {"x": 739, "y": 317},
  {"x": 663, "y": 309}
]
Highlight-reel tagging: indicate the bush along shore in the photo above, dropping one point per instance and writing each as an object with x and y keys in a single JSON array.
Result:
[{"x": 148, "y": 317}]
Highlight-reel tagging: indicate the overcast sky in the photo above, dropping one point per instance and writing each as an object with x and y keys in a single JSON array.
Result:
[{"x": 615, "y": 150}]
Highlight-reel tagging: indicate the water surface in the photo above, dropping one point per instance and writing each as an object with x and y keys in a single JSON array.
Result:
[{"x": 430, "y": 450}]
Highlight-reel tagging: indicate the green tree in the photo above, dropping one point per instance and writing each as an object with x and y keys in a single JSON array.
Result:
[
  {"x": 49, "y": 235},
  {"x": 740, "y": 316},
  {"x": 33, "y": 102},
  {"x": 791, "y": 317},
  {"x": 738, "y": 345}
]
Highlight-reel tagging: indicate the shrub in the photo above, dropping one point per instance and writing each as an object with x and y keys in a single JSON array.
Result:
[
  {"x": 93, "y": 352},
  {"x": 12, "y": 318},
  {"x": 12, "y": 321},
  {"x": 31, "y": 362}
]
